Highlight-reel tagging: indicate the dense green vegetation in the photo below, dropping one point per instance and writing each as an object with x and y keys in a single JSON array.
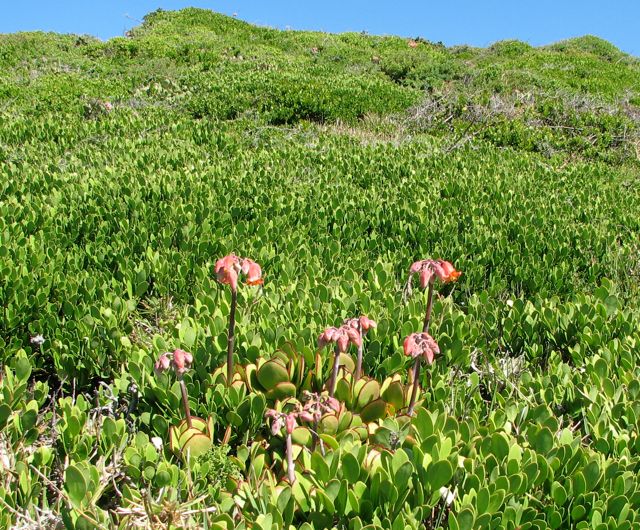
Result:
[{"x": 128, "y": 167}]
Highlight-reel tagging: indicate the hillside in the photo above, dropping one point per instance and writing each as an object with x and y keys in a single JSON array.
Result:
[{"x": 335, "y": 161}]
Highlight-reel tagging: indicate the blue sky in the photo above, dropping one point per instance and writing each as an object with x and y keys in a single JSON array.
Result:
[{"x": 474, "y": 22}]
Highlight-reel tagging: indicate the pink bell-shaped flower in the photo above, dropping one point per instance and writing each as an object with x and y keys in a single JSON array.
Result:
[
  {"x": 421, "y": 345},
  {"x": 429, "y": 269}
]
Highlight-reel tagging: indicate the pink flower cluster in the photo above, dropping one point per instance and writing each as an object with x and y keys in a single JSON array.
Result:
[
  {"x": 429, "y": 269},
  {"x": 362, "y": 323},
  {"x": 282, "y": 419},
  {"x": 228, "y": 269},
  {"x": 316, "y": 406},
  {"x": 342, "y": 336},
  {"x": 179, "y": 360},
  {"x": 348, "y": 332},
  {"x": 421, "y": 345}
]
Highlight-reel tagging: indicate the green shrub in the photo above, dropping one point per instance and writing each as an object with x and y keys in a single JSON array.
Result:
[{"x": 335, "y": 161}]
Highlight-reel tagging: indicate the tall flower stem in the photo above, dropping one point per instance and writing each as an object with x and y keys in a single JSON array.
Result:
[
  {"x": 231, "y": 336},
  {"x": 416, "y": 366},
  {"x": 427, "y": 315},
  {"x": 360, "y": 349},
  {"x": 414, "y": 390},
  {"x": 334, "y": 372},
  {"x": 315, "y": 436},
  {"x": 291, "y": 473},
  {"x": 185, "y": 402}
]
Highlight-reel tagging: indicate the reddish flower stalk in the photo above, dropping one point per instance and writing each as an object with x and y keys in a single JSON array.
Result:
[
  {"x": 414, "y": 389},
  {"x": 227, "y": 270},
  {"x": 231, "y": 338},
  {"x": 278, "y": 421},
  {"x": 342, "y": 336},
  {"x": 185, "y": 401},
  {"x": 416, "y": 363},
  {"x": 291, "y": 472},
  {"x": 427, "y": 314},
  {"x": 180, "y": 361},
  {"x": 361, "y": 325},
  {"x": 334, "y": 372}
]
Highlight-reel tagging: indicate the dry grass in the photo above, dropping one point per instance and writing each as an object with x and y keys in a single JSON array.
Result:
[{"x": 371, "y": 130}]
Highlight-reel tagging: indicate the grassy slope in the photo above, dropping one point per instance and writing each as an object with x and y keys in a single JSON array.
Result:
[{"x": 333, "y": 160}]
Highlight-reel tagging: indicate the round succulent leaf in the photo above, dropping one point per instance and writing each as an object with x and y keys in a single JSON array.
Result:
[
  {"x": 302, "y": 436},
  {"x": 361, "y": 432},
  {"x": 281, "y": 391},
  {"x": 482, "y": 500},
  {"x": 343, "y": 390},
  {"x": 174, "y": 435},
  {"x": 543, "y": 440},
  {"x": 496, "y": 500},
  {"x": 402, "y": 475},
  {"x": 347, "y": 362},
  {"x": 281, "y": 355},
  {"x": 578, "y": 512},
  {"x": 369, "y": 392},
  {"x": 382, "y": 436},
  {"x": 250, "y": 377},
  {"x": 272, "y": 372},
  {"x": 357, "y": 385},
  {"x": 328, "y": 424},
  {"x": 591, "y": 473},
  {"x": 374, "y": 410},
  {"x": 330, "y": 441},
  {"x": 185, "y": 435},
  {"x": 196, "y": 445},
  {"x": 554, "y": 519},
  {"x": 200, "y": 424},
  {"x": 345, "y": 420},
  {"x": 394, "y": 394}
]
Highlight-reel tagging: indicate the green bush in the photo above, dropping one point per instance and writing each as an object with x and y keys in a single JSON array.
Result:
[{"x": 335, "y": 161}]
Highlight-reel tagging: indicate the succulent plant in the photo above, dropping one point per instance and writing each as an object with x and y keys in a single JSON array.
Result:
[
  {"x": 278, "y": 377},
  {"x": 361, "y": 396},
  {"x": 191, "y": 441},
  {"x": 285, "y": 374}
]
